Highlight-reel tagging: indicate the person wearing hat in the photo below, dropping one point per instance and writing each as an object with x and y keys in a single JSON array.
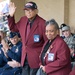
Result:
[
  {"x": 13, "y": 55},
  {"x": 70, "y": 40},
  {"x": 61, "y": 26},
  {"x": 32, "y": 30}
]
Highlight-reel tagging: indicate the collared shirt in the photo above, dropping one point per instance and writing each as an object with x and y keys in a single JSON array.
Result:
[
  {"x": 45, "y": 50},
  {"x": 31, "y": 22}
]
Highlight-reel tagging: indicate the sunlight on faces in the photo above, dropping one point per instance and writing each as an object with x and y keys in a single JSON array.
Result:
[
  {"x": 30, "y": 13},
  {"x": 14, "y": 40},
  {"x": 51, "y": 32}
]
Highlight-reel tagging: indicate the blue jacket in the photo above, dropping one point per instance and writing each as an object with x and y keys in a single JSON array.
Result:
[{"x": 15, "y": 52}]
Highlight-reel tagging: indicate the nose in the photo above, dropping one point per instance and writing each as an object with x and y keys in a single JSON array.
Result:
[{"x": 48, "y": 33}]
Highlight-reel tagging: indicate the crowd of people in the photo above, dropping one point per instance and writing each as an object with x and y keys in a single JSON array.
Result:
[{"x": 35, "y": 43}]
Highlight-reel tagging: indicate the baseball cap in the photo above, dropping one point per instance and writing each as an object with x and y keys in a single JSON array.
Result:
[
  {"x": 18, "y": 34},
  {"x": 65, "y": 28},
  {"x": 31, "y": 5},
  {"x": 62, "y": 25},
  {"x": 12, "y": 34}
]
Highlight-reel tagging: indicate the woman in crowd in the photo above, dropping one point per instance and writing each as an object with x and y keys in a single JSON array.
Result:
[{"x": 55, "y": 55}]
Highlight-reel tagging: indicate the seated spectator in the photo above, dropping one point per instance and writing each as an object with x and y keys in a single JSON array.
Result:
[
  {"x": 69, "y": 38},
  {"x": 13, "y": 54},
  {"x": 61, "y": 26}
]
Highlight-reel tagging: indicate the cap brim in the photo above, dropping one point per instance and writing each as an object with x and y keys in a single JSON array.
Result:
[{"x": 65, "y": 28}]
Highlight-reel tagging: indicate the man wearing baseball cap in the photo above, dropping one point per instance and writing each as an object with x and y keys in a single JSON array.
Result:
[
  {"x": 70, "y": 40},
  {"x": 32, "y": 30}
]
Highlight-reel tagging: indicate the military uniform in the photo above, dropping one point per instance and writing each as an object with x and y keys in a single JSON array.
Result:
[
  {"x": 13, "y": 54},
  {"x": 69, "y": 39},
  {"x": 71, "y": 44}
]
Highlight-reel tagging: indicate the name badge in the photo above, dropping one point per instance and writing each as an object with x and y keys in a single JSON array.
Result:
[
  {"x": 50, "y": 56},
  {"x": 36, "y": 38}
]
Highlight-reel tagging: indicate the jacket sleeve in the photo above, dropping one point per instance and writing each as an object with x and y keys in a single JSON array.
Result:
[
  {"x": 12, "y": 25},
  {"x": 44, "y": 36},
  {"x": 15, "y": 56}
]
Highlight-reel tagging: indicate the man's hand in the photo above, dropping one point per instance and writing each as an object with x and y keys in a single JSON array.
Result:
[
  {"x": 12, "y": 9},
  {"x": 43, "y": 67},
  {"x": 14, "y": 63}
]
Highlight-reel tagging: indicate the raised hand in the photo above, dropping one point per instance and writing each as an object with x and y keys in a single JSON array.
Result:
[{"x": 12, "y": 9}]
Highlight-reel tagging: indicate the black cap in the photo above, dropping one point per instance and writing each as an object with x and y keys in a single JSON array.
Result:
[
  {"x": 62, "y": 25},
  {"x": 31, "y": 5},
  {"x": 12, "y": 34},
  {"x": 18, "y": 34}
]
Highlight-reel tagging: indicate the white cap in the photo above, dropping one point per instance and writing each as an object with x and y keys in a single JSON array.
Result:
[{"x": 65, "y": 28}]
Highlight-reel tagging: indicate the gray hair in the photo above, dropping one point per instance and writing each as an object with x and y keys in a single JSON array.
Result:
[{"x": 52, "y": 22}]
